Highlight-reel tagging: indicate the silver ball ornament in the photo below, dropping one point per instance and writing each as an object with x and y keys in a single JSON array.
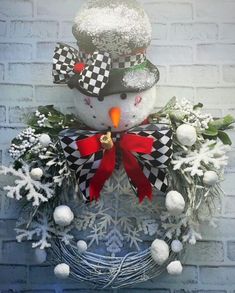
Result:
[{"x": 176, "y": 246}]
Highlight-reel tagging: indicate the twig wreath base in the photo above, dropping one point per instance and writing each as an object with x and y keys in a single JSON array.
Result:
[{"x": 107, "y": 271}]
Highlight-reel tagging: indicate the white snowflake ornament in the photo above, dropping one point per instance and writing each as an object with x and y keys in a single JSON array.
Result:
[
  {"x": 63, "y": 216},
  {"x": 174, "y": 268},
  {"x": 159, "y": 251},
  {"x": 36, "y": 174},
  {"x": 176, "y": 246},
  {"x": 62, "y": 271},
  {"x": 82, "y": 246},
  {"x": 210, "y": 153},
  {"x": 44, "y": 140},
  {"x": 210, "y": 178},
  {"x": 40, "y": 255},
  {"x": 174, "y": 203},
  {"x": 186, "y": 134}
]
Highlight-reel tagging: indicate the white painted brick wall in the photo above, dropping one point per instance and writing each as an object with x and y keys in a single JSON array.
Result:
[{"x": 194, "y": 48}]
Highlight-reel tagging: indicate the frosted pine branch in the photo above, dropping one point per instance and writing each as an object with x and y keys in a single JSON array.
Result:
[
  {"x": 39, "y": 229},
  {"x": 133, "y": 238},
  {"x": 42, "y": 229},
  {"x": 64, "y": 235},
  {"x": 53, "y": 158},
  {"x": 192, "y": 236}
]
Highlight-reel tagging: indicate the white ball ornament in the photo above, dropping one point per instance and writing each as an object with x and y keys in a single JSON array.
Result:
[
  {"x": 174, "y": 203},
  {"x": 210, "y": 178},
  {"x": 186, "y": 134},
  {"x": 32, "y": 139},
  {"x": 44, "y": 140},
  {"x": 82, "y": 246},
  {"x": 159, "y": 251},
  {"x": 36, "y": 174},
  {"x": 40, "y": 255},
  {"x": 176, "y": 246},
  {"x": 174, "y": 268},
  {"x": 62, "y": 271},
  {"x": 63, "y": 216}
]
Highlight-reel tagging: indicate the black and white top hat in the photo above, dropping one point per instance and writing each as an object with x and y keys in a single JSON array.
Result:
[{"x": 112, "y": 38}]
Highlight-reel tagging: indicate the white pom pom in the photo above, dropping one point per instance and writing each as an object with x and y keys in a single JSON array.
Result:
[
  {"x": 40, "y": 255},
  {"x": 36, "y": 174},
  {"x": 44, "y": 139},
  {"x": 63, "y": 216},
  {"x": 159, "y": 251},
  {"x": 174, "y": 268},
  {"x": 176, "y": 246},
  {"x": 186, "y": 134},
  {"x": 174, "y": 203},
  {"x": 82, "y": 246},
  {"x": 210, "y": 178},
  {"x": 62, "y": 271}
]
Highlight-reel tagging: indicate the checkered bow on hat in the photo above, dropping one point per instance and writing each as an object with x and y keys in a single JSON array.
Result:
[
  {"x": 151, "y": 164},
  {"x": 93, "y": 76}
]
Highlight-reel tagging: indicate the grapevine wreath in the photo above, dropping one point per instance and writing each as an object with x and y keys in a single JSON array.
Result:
[{"x": 115, "y": 193}]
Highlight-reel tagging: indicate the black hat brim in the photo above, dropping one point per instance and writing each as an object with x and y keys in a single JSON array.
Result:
[{"x": 117, "y": 84}]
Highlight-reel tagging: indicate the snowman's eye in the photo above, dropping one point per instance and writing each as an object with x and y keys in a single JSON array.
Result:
[
  {"x": 123, "y": 96},
  {"x": 100, "y": 99}
]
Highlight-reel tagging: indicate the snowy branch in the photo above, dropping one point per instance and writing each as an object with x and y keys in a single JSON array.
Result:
[
  {"x": 38, "y": 229},
  {"x": 43, "y": 230}
]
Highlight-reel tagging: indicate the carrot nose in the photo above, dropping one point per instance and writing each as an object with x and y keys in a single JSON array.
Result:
[{"x": 115, "y": 115}]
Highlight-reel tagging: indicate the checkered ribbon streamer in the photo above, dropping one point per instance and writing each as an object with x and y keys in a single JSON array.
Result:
[
  {"x": 152, "y": 164},
  {"x": 92, "y": 78}
]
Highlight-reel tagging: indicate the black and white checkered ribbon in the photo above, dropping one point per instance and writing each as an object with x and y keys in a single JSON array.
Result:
[
  {"x": 92, "y": 78},
  {"x": 153, "y": 165},
  {"x": 120, "y": 62},
  {"x": 128, "y": 61}
]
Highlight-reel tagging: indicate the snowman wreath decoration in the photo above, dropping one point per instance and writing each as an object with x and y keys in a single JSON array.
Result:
[{"x": 113, "y": 194}]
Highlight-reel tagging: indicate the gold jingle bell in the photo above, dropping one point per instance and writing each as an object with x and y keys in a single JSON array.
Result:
[{"x": 106, "y": 141}]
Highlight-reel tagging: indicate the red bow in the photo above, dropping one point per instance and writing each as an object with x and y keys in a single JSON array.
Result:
[{"x": 128, "y": 143}]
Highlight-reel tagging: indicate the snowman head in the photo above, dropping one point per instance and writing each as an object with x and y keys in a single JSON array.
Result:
[
  {"x": 118, "y": 112},
  {"x": 116, "y": 82}
]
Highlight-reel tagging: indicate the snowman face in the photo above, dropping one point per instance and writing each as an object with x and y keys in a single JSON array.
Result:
[{"x": 134, "y": 109}]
